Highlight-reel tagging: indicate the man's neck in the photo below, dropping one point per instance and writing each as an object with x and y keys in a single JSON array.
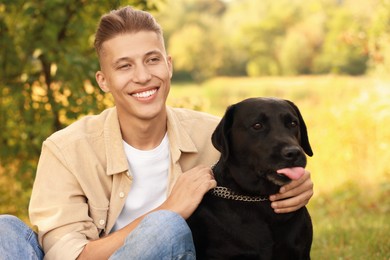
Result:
[{"x": 143, "y": 134}]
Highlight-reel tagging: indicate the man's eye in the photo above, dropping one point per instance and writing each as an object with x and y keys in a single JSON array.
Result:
[
  {"x": 154, "y": 60},
  {"x": 124, "y": 66},
  {"x": 257, "y": 126}
]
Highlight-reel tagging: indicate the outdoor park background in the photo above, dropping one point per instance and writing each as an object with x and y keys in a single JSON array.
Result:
[{"x": 330, "y": 57}]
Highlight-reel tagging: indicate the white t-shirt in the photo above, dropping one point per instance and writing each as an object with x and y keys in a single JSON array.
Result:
[{"x": 149, "y": 170}]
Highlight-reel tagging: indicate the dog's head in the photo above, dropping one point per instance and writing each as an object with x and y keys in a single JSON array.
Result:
[{"x": 260, "y": 136}]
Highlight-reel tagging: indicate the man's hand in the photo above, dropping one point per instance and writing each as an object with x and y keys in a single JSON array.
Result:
[
  {"x": 188, "y": 191},
  {"x": 294, "y": 195},
  {"x": 185, "y": 197}
]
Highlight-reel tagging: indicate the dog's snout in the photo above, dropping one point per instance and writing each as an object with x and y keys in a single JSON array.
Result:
[{"x": 291, "y": 152}]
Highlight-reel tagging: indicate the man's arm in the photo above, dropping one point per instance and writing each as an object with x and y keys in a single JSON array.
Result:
[
  {"x": 294, "y": 195},
  {"x": 185, "y": 197}
]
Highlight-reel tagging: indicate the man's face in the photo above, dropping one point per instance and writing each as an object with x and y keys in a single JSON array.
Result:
[{"x": 137, "y": 72}]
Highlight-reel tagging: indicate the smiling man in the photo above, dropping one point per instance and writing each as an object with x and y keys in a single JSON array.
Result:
[
  {"x": 137, "y": 72},
  {"x": 121, "y": 184}
]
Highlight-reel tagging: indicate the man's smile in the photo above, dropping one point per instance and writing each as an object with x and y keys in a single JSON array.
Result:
[{"x": 145, "y": 94}]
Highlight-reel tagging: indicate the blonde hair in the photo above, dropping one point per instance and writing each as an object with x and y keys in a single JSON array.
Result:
[{"x": 124, "y": 20}]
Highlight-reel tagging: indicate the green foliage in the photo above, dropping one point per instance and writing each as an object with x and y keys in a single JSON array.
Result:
[
  {"x": 295, "y": 54},
  {"x": 284, "y": 37},
  {"x": 266, "y": 35},
  {"x": 189, "y": 55},
  {"x": 379, "y": 38},
  {"x": 198, "y": 41},
  {"x": 47, "y": 66},
  {"x": 344, "y": 47}
]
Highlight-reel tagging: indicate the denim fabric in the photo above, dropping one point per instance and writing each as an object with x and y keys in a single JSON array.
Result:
[
  {"x": 161, "y": 235},
  {"x": 17, "y": 240}
]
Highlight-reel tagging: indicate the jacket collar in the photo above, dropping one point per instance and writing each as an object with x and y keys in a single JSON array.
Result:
[
  {"x": 179, "y": 141},
  {"x": 115, "y": 154}
]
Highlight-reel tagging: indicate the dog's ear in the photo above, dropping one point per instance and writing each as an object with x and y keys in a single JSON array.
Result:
[
  {"x": 220, "y": 138},
  {"x": 304, "y": 136}
]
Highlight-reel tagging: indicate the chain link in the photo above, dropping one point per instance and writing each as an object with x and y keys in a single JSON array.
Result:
[{"x": 227, "y": 193}]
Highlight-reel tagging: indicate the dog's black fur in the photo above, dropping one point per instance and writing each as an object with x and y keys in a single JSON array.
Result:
[{"x": 256, "y": 137}]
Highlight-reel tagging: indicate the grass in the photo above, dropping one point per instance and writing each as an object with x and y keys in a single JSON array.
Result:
[
  {"x": 348, "y": 120},
  {"x": 352, "y": 222}
]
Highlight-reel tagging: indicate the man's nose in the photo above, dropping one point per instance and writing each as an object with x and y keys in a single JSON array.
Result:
[{"x": 141, "y": 74}]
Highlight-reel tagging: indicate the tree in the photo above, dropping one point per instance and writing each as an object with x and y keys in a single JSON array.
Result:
[
  {"x": 379, "y": 38},
  {"x": 47, "y": 67},
  {"x": 194, "y": 38},
  {"x": 344, "y": 50},
  {"x": 261, "y": 27}
]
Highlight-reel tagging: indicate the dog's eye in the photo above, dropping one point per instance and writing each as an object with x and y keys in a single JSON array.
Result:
[
  {"x": 257, "y": 126},
  {"x": 293, "y": 124}
]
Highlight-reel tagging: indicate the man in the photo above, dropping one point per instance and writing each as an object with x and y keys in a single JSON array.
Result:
[{"x": 120, "y": 185}]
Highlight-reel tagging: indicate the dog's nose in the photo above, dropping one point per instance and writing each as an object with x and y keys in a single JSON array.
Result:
[{"x": 291, "y": 152}]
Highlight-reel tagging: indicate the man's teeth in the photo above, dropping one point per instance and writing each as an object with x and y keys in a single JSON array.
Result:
[{"x": 145, "y": 94}]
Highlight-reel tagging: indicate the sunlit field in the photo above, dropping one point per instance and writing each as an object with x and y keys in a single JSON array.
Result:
[{"x": 348, "y": 120}]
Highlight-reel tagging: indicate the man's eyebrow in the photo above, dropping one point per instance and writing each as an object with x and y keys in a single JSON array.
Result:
[
  {"x": 126, "y": 59},
  {"x": 153, "y": 52},
  {"x": 118, "y": 61}
]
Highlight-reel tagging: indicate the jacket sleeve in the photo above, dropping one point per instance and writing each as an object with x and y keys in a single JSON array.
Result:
[{"x": 58, "y": 207}]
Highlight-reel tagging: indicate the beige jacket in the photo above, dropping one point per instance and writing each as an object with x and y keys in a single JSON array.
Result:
[{"x": 83, "y": 178}]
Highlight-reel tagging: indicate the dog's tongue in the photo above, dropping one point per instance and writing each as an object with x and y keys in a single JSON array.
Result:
[{"x": 293, "y": 173}]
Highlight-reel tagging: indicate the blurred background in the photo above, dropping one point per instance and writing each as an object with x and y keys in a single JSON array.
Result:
[{"x": 330, "y": 57}]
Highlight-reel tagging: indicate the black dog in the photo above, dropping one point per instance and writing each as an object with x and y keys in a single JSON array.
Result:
[{"x": 262, "y": 143}]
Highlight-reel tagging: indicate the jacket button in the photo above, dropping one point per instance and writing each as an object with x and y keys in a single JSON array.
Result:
[
  {"x": 102, "y": 222},
  {"x": 121, "y": 194}
]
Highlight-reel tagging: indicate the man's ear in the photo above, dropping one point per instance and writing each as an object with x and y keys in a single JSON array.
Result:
[
  {"x": 101, "y": 80},
  {"x": 170, "y": 66}
]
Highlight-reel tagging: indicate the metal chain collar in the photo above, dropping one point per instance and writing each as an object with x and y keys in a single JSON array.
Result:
[{"x": 227, "y": 193}]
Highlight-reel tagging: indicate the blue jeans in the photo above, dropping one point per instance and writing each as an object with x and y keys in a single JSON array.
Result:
[
  {"x": 160, "y": 235},
  {"x": 17, "y": 240}
]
